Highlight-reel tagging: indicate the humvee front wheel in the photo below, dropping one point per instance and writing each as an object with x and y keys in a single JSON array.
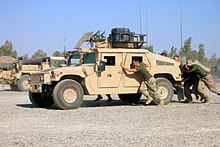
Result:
[
  {"x": 68, "y": 94},
  {"x": 165, "y": 89},
  {"x": 40, "y": 100},
  {"x": 130, "y": 98},
  {"x": 23, "y": 84}
]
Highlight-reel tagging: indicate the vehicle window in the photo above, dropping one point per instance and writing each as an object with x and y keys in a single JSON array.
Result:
[
  {"x": 110, "y": 60},
  {"x": 89, "y": 58},
  {"x": 56, "y": 63},
  {"x": 74, "y": 59},
  {"x": 140, "y": 58}
]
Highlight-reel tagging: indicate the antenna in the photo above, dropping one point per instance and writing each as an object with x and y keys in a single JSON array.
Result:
[
  {"x": 181, "y": 29},
  {"x": 183, "y": 58},
  {"x": 146, "y": 25},
  {"x": 140, "y": 16},
  {"x": 64, "y": 48}
]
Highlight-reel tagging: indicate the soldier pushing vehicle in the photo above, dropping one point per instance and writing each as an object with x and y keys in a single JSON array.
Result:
[
  {"x": 204, "y": 77},
  {"x": 148, "y": 86}
]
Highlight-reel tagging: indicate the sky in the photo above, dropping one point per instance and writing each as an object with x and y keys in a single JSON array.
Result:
[{"x": 43, "y": 24}]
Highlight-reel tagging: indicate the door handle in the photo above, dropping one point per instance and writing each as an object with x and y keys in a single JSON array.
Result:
[
  {"x": 109, "y": 75},
  {"x": 120, "y": 72}
]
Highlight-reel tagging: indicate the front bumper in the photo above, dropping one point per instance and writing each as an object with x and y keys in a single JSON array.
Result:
[{"x": 37, "y": 81}]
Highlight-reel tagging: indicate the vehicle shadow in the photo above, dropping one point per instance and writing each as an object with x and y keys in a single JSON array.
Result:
[
  {"x": 25, "y": 105},
  {"x": 90, "y": 103},
  {"x": 104, "y": 103}
]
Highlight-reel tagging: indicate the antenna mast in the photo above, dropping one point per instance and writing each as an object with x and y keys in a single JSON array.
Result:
[
  {"x": 64, "y": 48},
  {"x": 181, "y": 29},
  {"x": 183, "y": 58},
  {"x": 140, "y": 16},
  {"x": 146, "y": 25}
]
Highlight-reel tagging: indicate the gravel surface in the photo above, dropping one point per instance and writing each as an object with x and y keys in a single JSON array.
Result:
[{"x": 102, "y": 124}]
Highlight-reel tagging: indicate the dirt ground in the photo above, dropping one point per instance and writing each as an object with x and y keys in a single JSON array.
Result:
[{"x": 102, "y": 124}]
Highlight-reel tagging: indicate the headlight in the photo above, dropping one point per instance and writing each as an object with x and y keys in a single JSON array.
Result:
[
  {"x": 42, "y": 77},
  {"x": 29, "y": 79}
]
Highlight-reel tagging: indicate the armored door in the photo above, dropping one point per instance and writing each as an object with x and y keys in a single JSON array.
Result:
[{"x": 111, "y": 77}]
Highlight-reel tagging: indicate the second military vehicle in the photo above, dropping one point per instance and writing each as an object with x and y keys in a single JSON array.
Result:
[
  {"x": 17, "y": 72},
  {"x": 96, "y": 70}
]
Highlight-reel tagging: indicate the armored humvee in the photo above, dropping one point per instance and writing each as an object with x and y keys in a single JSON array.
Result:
[
  {"x": 17, "y": 73},
  {"x": 96, "y": 70}
]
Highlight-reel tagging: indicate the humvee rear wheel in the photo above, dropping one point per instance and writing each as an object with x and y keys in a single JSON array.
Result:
[
  {"x": 41, "y": 100},
  {"x": 130, "y": 98},
  {"x": 23, "y": 84},
  {"x": 165, "y": 90},
  {"x": 68, "y": 94}
]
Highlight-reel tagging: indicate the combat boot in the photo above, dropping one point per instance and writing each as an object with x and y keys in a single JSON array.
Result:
[
  {"x": 149, "y": 100},
  {"x": 109, "y": 98},
  {"x": 161, "y": 102},
  {"x": 208, "y": 100},
  {"x": 98, "y": 98}
]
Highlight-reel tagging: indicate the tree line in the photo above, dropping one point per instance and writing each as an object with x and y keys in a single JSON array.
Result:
[
  {"x": 7, "y": 50},
  {"x": 187, "y": 52}
]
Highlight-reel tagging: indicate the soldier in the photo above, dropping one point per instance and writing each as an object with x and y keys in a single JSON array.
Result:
[
  {"x": 109, "y": 98},
  {"x": 205, "y": 77},
  {"x": 148, "y": 86},
  {"x": 164, "y": 54},
  {"x": 190, "y": 80},
  {"x": 176, "y": 58}
]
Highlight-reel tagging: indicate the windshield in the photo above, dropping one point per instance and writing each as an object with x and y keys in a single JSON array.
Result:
[
  {"x": 74, "y": 59},
  {"x": 56, "y": 63},
  {"x": 82, "y": 59}
]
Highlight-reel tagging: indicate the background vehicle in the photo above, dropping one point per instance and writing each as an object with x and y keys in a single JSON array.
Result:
[
  {"x": 17, "y": 72},
  {"x": 96, "y": 70}
]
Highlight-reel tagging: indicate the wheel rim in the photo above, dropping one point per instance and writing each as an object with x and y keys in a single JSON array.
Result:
[
  {"x": 70, "y": 95},
  {"x": 25, "y": 83},
  {"x": 163, "y": 92}
]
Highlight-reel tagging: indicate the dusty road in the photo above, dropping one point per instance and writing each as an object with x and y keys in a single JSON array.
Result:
[{"x": 101, "y": 124}]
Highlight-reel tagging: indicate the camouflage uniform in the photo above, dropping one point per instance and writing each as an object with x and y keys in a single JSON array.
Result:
[
  {"x": 148, "y": 87},
  {"x": 207, "y": 79}
]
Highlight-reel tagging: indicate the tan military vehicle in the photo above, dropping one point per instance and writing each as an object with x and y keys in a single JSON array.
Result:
[
  {"x": 17, "y": 73},
  {"x": 96, "y": 70}
]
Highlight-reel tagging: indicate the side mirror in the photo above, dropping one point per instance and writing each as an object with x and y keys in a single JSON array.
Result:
[{"x": 101, "y": 66}]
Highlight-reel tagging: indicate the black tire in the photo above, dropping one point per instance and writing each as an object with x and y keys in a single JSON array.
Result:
[
  {"x": 130, "y": 98},
  {"x": 68, "y": 87},
  {"x": 23, "y": 84},
  {"x": 14, "y": 87},
  {"x": 165, "y": 89},
  {"x": 40, "y": 100}
]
